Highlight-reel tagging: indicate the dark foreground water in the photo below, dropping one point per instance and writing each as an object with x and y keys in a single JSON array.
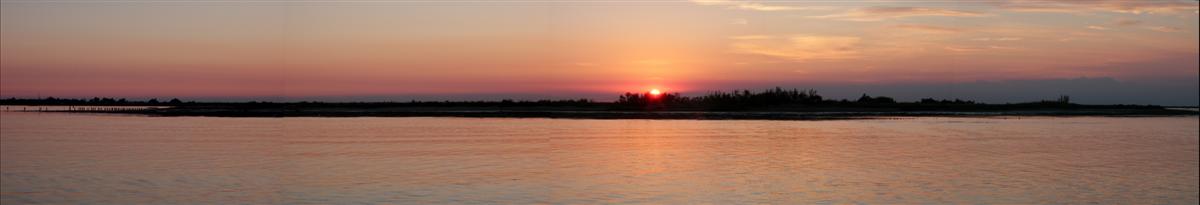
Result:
[{"x": 113, "y": 159}]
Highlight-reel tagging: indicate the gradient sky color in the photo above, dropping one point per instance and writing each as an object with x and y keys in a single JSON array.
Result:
[{"x": 1108, "y": 51}]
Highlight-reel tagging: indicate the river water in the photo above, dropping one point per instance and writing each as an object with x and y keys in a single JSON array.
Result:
[{"x": 62, "y": 158}]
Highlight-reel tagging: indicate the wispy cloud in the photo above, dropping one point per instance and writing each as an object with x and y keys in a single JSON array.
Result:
[
  {"x": 1117, "y": 6},
  {"x": 1095, "y": 27},
  {"x": 752, "y": 37},
  {"x": 929, "y": 28},
  {"x": 964, "y": 48},
  {"x": 1126, "y": 22},
  {"x": 977, "y": 48},
  {"x": 998, "y": 39},
  {"x": 1165, "y": 29},
  {"x": 1040, "y": 8},
  {"x": 884, "y": 13},
  {"x": 746, "y": 5},
  {"x": 801, "y": 48}
]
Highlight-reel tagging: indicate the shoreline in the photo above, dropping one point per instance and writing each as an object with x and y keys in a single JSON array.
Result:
[{"x": 824, "y": 114}]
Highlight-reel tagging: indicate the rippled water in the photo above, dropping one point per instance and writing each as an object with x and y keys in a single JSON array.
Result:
[{"x": 115, "y": 159}]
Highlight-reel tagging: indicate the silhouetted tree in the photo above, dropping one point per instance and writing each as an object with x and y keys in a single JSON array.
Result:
[
  {"x": 1064, "y": 99},
  {"x": 866, "y": 99}
]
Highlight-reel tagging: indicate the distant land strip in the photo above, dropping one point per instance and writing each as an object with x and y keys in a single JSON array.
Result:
[{"x": 771, "y": 104}]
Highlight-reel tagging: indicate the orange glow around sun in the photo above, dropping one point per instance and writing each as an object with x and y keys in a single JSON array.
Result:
[{"x": 655, "y": 92}]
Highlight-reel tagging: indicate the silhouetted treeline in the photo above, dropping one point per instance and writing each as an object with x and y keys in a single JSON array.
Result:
[
  {"x": 506, "y": 102},
  {"x": 776, "y": 99},
  {"x": 746, "y": 99},
  {"x": 257, "y": 104},
  {"x": 779, "y": 99},
  {"x": 92, "y": 101},
  {"x": 445, "y": 103},
  {"x": 721, "y": 99}
]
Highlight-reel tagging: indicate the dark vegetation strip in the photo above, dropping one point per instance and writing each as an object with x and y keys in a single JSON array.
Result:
[{"x": 774, "y": 103}]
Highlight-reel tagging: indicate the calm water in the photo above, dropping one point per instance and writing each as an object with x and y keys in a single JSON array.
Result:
[{"x": 112, "y": 159}]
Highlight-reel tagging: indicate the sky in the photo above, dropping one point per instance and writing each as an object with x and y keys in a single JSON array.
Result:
[{"x": 1101, "y": 52}]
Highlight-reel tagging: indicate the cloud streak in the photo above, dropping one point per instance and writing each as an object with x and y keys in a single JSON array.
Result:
[
  {"x": 1116, "y": 6},
  {"x": 977, "y": 48},
  {"x": 885, "y": 13},
  {"x": 801, "y": 47},
  {"x": 929, "y": 28},
  {"x": 1164, "y": 29},
  {"x": 752, "y": 37},
  {"x": 998, "y": 39},
  {"x": 1126, "y": 22},
  {"x": 745, "y": 5}
]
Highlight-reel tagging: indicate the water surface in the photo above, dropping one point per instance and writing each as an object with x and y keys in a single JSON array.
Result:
[{"x": 121, "y": 159}]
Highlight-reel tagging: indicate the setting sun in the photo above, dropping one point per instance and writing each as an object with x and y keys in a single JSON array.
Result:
[{"x": 655, "y": 92}]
